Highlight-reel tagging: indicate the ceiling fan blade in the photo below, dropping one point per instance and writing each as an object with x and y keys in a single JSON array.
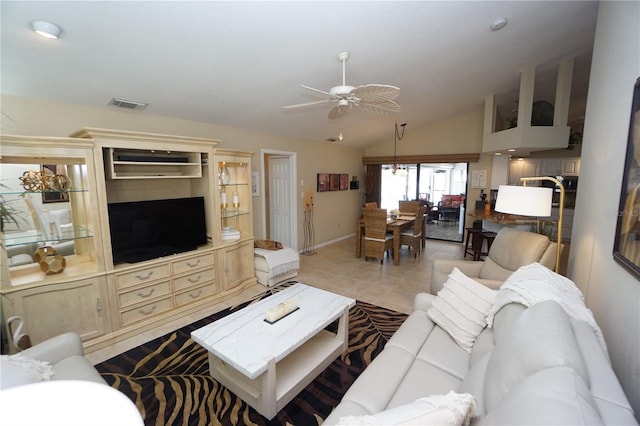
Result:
[
  {"x": 307, "y": 104},
  {"x": 317, "y": 90},
  {"x": 339, "y": 110},
  {"x": 380, "y": 108},
  {"x": 376, "y": 92}
]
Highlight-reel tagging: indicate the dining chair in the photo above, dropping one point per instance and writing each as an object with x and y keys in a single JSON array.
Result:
[
  {"x": 405, "y": 206},
  {"x": 376, "y": 240},
  {"x": 413, "y": 237},
  {"x": 371, "y": 205}
]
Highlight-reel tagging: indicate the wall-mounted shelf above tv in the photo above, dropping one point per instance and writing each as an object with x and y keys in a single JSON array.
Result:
[{"x": 124, "y": 163}]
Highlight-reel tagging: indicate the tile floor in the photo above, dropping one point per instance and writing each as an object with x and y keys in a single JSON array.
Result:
[{"x": 334, "y": 268}]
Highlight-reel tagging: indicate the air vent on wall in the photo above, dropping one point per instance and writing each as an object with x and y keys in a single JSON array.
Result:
[{"x": 125, "y": 103}]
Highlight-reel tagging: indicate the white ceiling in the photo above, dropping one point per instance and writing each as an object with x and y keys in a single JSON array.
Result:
[{"x": 237, "y": 63}]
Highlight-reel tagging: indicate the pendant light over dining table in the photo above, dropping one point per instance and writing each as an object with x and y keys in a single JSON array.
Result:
[{"x": 397, "y": 136}]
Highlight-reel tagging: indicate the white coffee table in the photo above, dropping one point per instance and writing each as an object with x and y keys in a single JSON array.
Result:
[{"x": 266, "y": 365}]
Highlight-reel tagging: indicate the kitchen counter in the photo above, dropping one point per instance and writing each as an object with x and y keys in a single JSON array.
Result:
[
  {"x": 494, "y": 221},
  {"x": 502, "y": 218}
]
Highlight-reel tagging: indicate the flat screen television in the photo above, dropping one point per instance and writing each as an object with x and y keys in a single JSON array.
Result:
[{"x": 143, "y": 230}]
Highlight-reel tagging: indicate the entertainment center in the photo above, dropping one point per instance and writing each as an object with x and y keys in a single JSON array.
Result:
[{"x": 150, "y": 242}]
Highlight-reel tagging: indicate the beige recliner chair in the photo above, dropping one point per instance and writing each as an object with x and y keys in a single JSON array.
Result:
[{"x": 510, "y": 250}]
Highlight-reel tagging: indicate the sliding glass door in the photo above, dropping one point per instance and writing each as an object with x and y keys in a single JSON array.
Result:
[{"x": 441, "y": 186}]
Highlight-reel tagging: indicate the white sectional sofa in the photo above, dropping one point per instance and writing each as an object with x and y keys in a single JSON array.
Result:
[
  {"x": 535, "y": 365},
  {"x": 65, "y": 355}
]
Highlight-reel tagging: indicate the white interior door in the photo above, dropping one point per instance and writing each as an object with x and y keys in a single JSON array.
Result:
[{"x": 280, "y": 200}]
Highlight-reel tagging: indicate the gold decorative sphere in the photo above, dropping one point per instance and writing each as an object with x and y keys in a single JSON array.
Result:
[
  {"x": 53, "y": 264},
  {"x": 43, "y": 252}
]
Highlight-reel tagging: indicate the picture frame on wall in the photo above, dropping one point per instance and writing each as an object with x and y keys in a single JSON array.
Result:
[
  {"x": 51, "y": 195},
  {"x": 323, "y": 182},
  {"x": 626, "y": 247},
  {"x": 344, "y": 182},
  {"x": 334, "y": 182}
]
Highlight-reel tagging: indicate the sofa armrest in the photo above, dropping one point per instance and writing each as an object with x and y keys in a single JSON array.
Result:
[
  {"x": 443, "y": 267},
  {"x": 423, "y": 301},
  {"x": 55, "y": 349}
]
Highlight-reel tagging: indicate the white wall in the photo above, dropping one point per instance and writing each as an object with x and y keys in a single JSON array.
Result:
[
  {"x": 611, "y": 293},
  {"x": 335, "y": 212}
]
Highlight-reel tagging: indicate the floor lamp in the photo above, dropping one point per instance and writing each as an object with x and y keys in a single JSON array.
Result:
[{"x": 532, "y": 201}]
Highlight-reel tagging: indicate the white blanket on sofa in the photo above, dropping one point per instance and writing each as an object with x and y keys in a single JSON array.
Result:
[{"x": 535, "y": 283}]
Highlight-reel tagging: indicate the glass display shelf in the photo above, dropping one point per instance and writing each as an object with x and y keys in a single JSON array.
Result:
[
  {"x": 231, "y": 212},
  {"x": 231, "y": 185},
  {"x": 19, "y": 238},
  {"x": 16, "y": 192}
]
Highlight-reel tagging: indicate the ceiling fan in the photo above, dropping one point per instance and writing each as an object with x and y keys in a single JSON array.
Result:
[{"x": 370, "y": 98}]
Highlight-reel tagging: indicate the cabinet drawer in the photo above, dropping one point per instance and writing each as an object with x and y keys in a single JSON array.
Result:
[
  {"x": 194, "y": 279},
  {"x": 194, "y": 294},
  {"x": 145, "y": 311},
  {"x": 192, "y": 263},
  {"x": 143, "y": 294},
  {"x": 143, "y": 275}
]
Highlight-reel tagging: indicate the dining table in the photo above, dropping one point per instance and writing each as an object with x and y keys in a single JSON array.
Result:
[{"x": 395, "y": 225}]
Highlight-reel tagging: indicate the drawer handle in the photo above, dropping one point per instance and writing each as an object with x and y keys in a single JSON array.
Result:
[
  {"x": 150, "y": 311},
  {"x": 141, "y": 277},
  {"x": 195, "y": 296},
  {"x": 193, "y": 265},
  {"x": 141, "y": 294},
  {"x": 194, "y": 280}
]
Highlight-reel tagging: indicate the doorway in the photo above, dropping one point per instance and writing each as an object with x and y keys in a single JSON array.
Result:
[{"x": 279, "y": 203}]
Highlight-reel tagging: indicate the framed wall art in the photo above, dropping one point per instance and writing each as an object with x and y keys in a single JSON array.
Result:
[
  {"x": 334, "y": 182},
  {"x": 323, "y": 182},
  {"x": 626, "y": 247},
  {"x": 344, "y": 182}
]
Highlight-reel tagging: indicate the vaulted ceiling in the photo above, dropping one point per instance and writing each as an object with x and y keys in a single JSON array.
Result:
[{"x": 237, "y": 63}]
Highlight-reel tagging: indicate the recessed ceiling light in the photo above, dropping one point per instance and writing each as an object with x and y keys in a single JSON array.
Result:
[
  {"x": 46, "y": 29},
  {"x": 498, "y": 153},
  {"x": 498, "y": 24},
  {"x": 511, "y": 150}
]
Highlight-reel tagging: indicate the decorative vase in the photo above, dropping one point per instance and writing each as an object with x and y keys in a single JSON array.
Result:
[{"x": 225, "y": 178}]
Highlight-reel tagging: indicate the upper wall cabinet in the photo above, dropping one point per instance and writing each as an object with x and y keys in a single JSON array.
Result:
[
  {"x": 126, "y": 163},
  {"x": 560, "y": 166}
]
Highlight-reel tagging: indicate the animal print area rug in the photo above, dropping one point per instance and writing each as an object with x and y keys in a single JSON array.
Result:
[{"x": 168, "y": 378}]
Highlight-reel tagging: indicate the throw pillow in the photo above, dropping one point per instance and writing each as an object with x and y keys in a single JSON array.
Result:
[
  {"x": 461, "y": 308},
  {"x": 16, "y": 370},
  {"x": 450, "y": 409}
]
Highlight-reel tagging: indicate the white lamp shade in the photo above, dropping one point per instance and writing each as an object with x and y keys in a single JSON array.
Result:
[{"x": 524, "y": 200}]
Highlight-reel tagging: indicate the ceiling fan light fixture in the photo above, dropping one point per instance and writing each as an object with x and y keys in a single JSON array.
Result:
[{"x": 46, "y": 29}]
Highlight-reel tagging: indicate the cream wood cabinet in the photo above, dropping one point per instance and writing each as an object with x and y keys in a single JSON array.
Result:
[
  {"x": 104, "y": 300},
  {"x": 158, "y": 288},
  {"x": 519, "y": 168},
  {"x": 233, "y": 194},
  {"x": 236, "y": 265},
  {"x": 72, "y": 299},
  {"x": 560, "y": 166},
  {"x": 52, "y": 309}
]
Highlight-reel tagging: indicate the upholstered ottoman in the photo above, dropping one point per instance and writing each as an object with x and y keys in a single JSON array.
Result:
[{"x": 275, "y": 266}]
